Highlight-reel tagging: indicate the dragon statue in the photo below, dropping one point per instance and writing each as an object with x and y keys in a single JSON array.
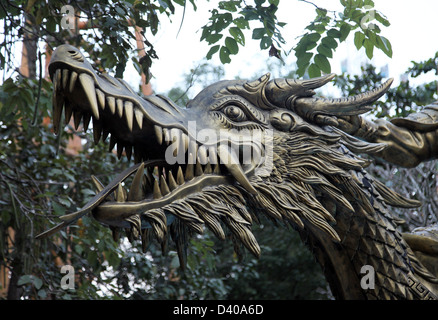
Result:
[{"x": 239, "y": 151}]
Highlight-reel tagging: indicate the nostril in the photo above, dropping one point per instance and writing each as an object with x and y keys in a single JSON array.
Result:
[{"x": 72, "y": 51}]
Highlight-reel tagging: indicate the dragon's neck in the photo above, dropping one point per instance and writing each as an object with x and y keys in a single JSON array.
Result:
[
  {"x": 345, "y": 219},
  {"x": 372, "y": 261}
]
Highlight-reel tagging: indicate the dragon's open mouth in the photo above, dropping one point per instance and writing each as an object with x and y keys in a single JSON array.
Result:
[{"x": 170, "y": 163}]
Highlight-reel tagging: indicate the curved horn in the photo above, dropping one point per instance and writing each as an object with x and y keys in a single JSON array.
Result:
[
  {"x": 283, "y": 92},
  {"x": 354, "y": 105}
]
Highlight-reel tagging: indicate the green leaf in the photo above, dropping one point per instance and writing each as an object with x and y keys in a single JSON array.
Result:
[
  {"x": 384, "y": 45},
  {"x": 322, "y": 62},
  {"x": 213, "y": 38},
  {"x": 303, "y": 60},
  {"x": 329, "y": 42},
  {"x": 324, "y": 50},
  {"x": 265, "y": 43},
  {"x": 258, "y": 33},
  {"x": 333, "y": 33},
  {"x": 359, "y": 38},
  {"x": 369, "y": 48},
  {"x": 314, "y": 71},
  {"x": 231, "y": 45},
  {"x": 345, "y": 31},
  {"x": 224, "y": 55},
  {"x": 237, "y": 35},
  {"x": 212, "y": 51}
]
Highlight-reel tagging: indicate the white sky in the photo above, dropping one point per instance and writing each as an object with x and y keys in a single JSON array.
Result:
[{"x": 413, "y": 30}]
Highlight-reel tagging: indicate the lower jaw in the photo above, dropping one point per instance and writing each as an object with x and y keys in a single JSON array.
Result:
[{"x": 115, "y": 213}]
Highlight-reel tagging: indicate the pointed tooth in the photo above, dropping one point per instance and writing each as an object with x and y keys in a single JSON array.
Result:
[
  {"x": 230, "y": 159},
  {"x": 88, "y": 86},
  {"x": 175, "y": 137},
  {"x": 149, "y": 177},
  {"x": 159, "y": 134},
  {"x": 163, "y": 186},
  {"x": 185, "y": 141},
  {"x": 207, "y": 169},
  {"x": 65, "y": 73},
  {"x": 202, "y": 154},
  {"x": 189, "y": 174},
  {"x": 57, "y": 101},
  {"x": 172, "y": 183},
  {"x": 101, "y": 98},
  {"x": 217, "y": 169},
  {"x": 112, "y": 104},
  {"x": 112, "y": 143},
  {"x": 86, "y": 121},
  {"x": 77, "y": 117},
  {"x": 120, "y": 193},
  {"x": 58, "y": 105},
  {"x": 119, "y": 150},
  {"x": 156, "y": 191},
  {"x": 128, "y": 151},
  {"x": 166, "y": 134},
  {"x": 105, "y": 134},
  {"x": 180, "y": 176},
  {"x": 57, "y": 80},
  {"x": 212, "y": 155},
  {"x": 99, "y": 185},
  {"x": 68, "y": 111},
  {"x": 193, "y": 148},
  {"x": 73, "y": 78},
  {"x": 139, "y": 118},
  {"x": 198, "y": 169},
  {"x": 119, "y": 107},
  {"x": 129, "y": 114},
  {"x": 97, "y": 130},
  {"x": 136, "y": 192}
]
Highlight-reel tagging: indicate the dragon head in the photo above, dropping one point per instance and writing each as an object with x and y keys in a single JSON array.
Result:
[{"x": 239, "y": 149}]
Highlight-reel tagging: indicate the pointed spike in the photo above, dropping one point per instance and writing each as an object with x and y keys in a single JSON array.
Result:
[
  {"x": 112, "y": 143},
  {"x": 129, "y": 114},
  {"x": 172, "y": 183},
  {"x": 202, "y": 155},
  {"x": 97, "y": 130},
  {"x": 120, "y": 107},
  {"x": 189, "y": 173},
  {"x": 101, "y": 98},
  {"x": 163, "y": 186},
  {"x": 128, "y": 151},
  {"x": 135, "y": 192},
  {"x": 166, "y": 134},
  {"x": 180, "y": 176},
  {"x": 119, "y": 150},
  {"x": 120, "y": 193},
  {"x": 112, "y": 104},
  {"x": 105, "y": 134},
  {"x": 68, "y": 111},
  {"x": 159, "y": 134},
  {"x": 77, "y": 116},
  {"x": 86, "y": 121},
  {"x": 139, "y": 118},
  {"x": 65, "y": 79},
  {"x": 90, "y": 92},
  {"x": 156, "y": 191},
  {"x": 185, "y": 141},
  {"x": 207, "y": 169},
  {"x": 73, "y": 78},
  {"x": 198, "y": 169},
  {"x": 99, "y": 185}
]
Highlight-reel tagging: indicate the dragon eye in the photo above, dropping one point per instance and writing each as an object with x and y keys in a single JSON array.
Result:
[{"x": 234, "y": 113}]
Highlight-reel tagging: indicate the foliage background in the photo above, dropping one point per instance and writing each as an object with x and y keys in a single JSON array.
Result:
[{"x": 40, "y": 179}]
